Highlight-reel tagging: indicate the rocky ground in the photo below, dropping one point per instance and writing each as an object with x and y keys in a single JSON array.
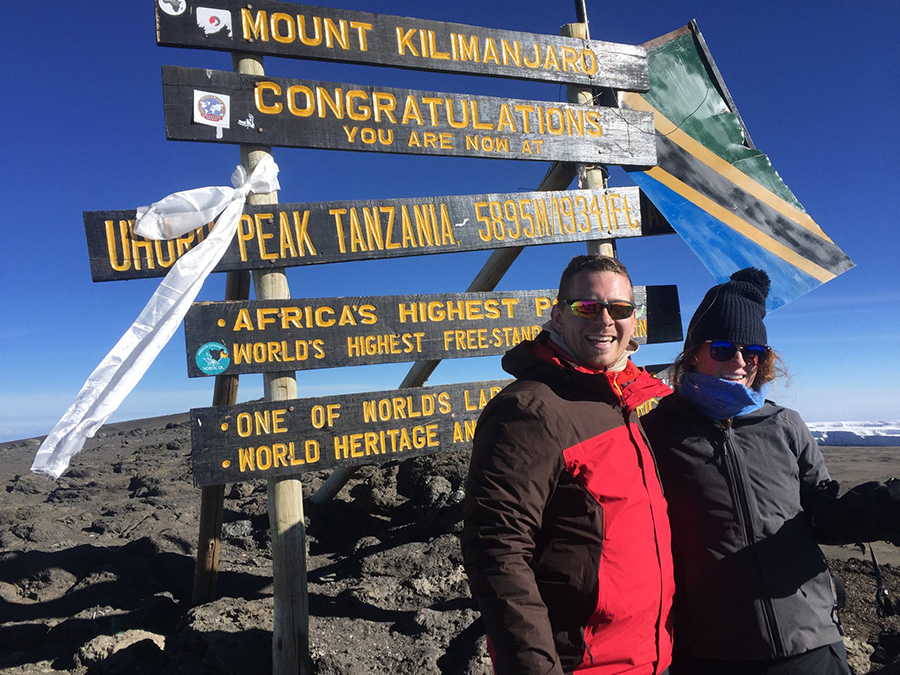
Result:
[{"x": 96, "y": 570}]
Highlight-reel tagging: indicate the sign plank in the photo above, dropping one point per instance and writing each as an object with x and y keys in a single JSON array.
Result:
[
  {"x": 287, "y": 235},
  {"x": 261, "y": 440},
  {"x": 320, "y": 33},
  {"x": 219, "y": 107},
  {"x": 306, "y": 334}
]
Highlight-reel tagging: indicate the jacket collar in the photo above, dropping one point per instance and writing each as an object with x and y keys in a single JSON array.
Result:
[{"x": 542, "y": 359}]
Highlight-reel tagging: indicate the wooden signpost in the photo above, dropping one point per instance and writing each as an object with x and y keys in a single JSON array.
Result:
[
  {"x": 307, "y": 334},
  {"x": 220, "y": 107},
  {"x": 261, "y": 440},
  {"x": 320, "y": 33},
  {"x": 285, "y": 436},
  {"x": 287, "y": 235}
]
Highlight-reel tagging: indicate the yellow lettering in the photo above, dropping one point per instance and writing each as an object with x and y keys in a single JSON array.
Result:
[
  {"x": 361, "y": 29},
  {"x": 468, "y": 49},
  {"x": 411, "y": 112},
  {"x": 404, "y": 41},
  {"x": 112, "y": 248},
  {"x": 490, "y": 51},
  {"x": 569, "y": 59},
  {"x": 464, "y": 432},
  {"x": 551, "y": 62},
  {"x": 277, "y": 19},
  {"x": 316, "y": 39},
  {"x": 254, "y": 29},
  {"x": 512, "y": 53},
  {"x": 261, "y": 105},
  {"x": 592, "y": 117},
  {"x": 337, "y": 33},
  {"x": 245, "y": 460},
  {"x": 262, "y": 237},
  {"x": 432, "y": 50},
  {"x": 295, "y": 109}
]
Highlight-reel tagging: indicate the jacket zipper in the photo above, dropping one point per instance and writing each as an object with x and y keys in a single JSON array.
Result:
[
  {"x": 618, "y": 389},
  {"x": 732, "y": 462}
]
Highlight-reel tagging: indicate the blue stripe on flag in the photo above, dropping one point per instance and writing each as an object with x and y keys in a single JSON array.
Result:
[{"x": 721, "y": 249}]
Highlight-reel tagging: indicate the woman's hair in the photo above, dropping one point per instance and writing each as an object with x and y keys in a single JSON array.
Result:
[{"x": 767, "y": 370}]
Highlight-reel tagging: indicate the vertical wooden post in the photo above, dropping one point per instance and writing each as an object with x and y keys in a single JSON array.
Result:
[
  {"x": 290, "y": 638},
  {"x": 595, "y": 176},
  {"x": 212, "y": 498}
]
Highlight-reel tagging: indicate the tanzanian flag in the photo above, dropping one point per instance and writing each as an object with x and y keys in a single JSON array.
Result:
[{"x": 714, "y": 187}]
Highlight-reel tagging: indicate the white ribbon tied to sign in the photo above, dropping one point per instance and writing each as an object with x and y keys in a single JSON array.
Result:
[{"x": 126, "y": 363}]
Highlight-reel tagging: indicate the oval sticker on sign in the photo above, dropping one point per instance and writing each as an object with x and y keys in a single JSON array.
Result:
[
  {"x": 213, "y": 358},
  {"x": 213, "y": 110},
  {"x": 173, "y": 7}
]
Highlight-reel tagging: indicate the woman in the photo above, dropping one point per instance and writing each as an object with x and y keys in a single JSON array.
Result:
[{"x": 749, "y": 496}]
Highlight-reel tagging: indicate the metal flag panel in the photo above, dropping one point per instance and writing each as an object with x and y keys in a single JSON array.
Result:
[{"x": 718, "y": 191}]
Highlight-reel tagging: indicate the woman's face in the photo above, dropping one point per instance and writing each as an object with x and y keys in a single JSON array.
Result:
[{"x": 737, "y": 369}]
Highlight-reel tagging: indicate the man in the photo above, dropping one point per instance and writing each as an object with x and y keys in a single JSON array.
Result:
[{"x": 566, "y": 541}]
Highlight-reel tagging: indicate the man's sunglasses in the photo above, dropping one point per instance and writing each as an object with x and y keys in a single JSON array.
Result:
[
  {"x": 722, "y": 350},
  {"x": 590, "y": 309}
]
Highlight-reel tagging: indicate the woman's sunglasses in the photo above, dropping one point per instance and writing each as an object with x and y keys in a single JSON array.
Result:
[
  {"x": 590, "y": 309},
  {"x": 722, "y": 350}
]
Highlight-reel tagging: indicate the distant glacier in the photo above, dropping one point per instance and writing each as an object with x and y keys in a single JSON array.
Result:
[{"x": 856, "y": 433}]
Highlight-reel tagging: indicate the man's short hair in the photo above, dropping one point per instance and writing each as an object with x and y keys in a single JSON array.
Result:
[{"x": 593, "y": 263}]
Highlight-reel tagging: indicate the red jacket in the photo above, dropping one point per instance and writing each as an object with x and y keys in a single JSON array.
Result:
[{"x": 566, "y": 540}]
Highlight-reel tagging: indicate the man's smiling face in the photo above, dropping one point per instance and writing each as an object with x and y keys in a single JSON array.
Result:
[{"x": 599, "y": 342}]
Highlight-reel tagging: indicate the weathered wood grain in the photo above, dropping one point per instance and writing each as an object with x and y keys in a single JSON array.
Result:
[
  {"x": 289, "y": 235},
  {"x": 366, "y": 118},
  {"x": 301, "y": 31}
]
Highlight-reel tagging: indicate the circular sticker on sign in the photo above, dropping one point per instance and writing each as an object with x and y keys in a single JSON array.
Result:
[
  {"x": 211, "y": 108},
  {"x": 213, "y": 358},
  {"x": 173, "y": 7}
]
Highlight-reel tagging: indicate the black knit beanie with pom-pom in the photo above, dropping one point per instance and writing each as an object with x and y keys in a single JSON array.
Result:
[{"x": 732, "y": 311}]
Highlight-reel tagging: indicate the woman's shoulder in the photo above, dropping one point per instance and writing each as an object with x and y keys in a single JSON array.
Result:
[
  {"x": 777, "y": 411},
  {"x": 670, "y": 412},
  {"x": 780, "y": 418},
  {"x": 672, "y": 405}
]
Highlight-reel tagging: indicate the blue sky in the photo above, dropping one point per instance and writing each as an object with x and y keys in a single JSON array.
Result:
[{"x": 814, "y": 83}]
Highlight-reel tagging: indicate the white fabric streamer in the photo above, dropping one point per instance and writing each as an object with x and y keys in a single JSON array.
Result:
[{"x": 127, "y": 362}]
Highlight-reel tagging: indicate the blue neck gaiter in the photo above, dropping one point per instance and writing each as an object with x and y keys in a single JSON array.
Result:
[{"x": 720, "y": 399}]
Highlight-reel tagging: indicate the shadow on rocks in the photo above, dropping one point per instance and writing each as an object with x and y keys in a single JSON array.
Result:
[{"x": 87, "y": 592}]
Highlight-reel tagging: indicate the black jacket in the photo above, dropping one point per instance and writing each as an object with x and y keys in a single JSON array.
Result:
[{"x": 750, "y": 579}]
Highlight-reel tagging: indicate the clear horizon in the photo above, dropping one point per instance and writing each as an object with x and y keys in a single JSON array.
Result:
[{"x": 86, "y": 133}]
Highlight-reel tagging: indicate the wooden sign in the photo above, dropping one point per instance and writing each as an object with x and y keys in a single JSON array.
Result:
[
  {"x": 305, "y": 334},
  {"x": 261, "y": 440},
  {"x": 287, "y": 235},
  {"x": 220, "y": 107},
  {"x": 321, "y": 33}
]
